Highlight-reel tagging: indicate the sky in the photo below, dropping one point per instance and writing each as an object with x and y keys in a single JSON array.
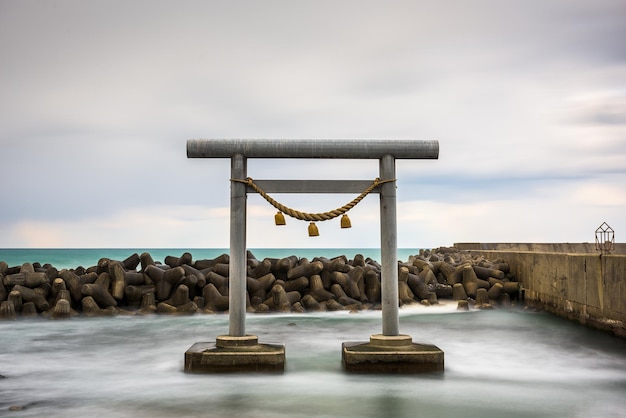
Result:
[{"x": 526, "y": 98}]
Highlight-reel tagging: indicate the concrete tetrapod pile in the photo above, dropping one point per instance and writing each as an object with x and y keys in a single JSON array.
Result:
[{"x": 180, "y": 285}]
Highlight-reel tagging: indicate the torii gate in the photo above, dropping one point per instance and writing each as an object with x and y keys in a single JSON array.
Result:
[{"x": 205, "y": 357}]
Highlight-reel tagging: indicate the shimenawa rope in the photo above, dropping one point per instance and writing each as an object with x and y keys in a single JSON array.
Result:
[{"x": 314, "y": 217}]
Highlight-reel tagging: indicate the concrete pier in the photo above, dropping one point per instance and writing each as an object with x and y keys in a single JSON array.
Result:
[
  {"x": 235, "y": 354},
  {"x": 570, "y": 280},
  {"x": 392, "y": 355}
]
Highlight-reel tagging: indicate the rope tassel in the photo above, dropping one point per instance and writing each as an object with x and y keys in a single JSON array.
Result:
[
  {"x": 279, "y": 218},
  {"x": 313, "y": 231},
  {"x": 345, "y": 222}
]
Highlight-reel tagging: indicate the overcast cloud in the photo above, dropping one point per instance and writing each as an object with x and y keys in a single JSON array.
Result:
[{"x": 526, "y": 98}]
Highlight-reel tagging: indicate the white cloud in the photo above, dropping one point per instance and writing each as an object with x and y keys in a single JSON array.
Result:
[
  {"x": 150, "y": 227},
  {"x": 526, "y": 100},
  {"x": 599, "y": 194}
]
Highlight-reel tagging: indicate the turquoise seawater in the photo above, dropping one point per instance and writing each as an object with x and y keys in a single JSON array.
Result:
[{"x": 73, "y": 257}]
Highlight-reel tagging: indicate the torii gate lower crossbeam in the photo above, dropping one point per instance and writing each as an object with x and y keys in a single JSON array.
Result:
[{"x": 386, "y": 151}]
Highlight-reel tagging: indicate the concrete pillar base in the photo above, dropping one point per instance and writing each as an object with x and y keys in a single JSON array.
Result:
[
  {"x": 391, "y": 354},
  {"x": 235, "y": 354}
]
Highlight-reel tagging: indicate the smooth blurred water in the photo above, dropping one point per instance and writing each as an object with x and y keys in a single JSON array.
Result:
[{"x": 497, "y": 364}]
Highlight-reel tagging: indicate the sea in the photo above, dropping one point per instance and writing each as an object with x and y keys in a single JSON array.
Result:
[
  {"x": 73, "y": 257},
  {"x": 509, "y": 362}
]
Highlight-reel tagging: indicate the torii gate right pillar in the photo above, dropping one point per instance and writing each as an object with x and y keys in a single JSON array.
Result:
[
  {"x": 389, "y": 247},
  {"x": 390, "y": 352}
]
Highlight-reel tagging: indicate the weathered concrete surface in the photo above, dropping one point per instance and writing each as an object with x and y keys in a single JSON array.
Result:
[
  {"x": 391, "y": 354},
  {"x": 588, "y": 288},
  {"x": 235, "y": 354},
  {"x": 559, "y": 247}
]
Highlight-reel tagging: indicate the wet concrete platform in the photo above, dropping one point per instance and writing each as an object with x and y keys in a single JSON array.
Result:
[
  {"x": 391, "y": 354},
  {"x": 235, "y": 354}
]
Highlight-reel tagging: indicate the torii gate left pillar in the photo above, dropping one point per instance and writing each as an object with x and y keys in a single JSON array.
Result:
[{"x": 386, "y": 352}]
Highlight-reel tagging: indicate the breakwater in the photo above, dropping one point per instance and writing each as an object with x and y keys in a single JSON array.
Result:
[
  {"x": 140, "y": 285},
  {"x": 569, "y": 280}
]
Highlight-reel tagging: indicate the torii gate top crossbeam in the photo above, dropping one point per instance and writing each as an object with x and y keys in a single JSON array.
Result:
[{"x": 313, "y": 148}]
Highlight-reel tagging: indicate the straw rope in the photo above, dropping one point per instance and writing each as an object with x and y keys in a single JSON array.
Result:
[{"x": 314, "y": 217}]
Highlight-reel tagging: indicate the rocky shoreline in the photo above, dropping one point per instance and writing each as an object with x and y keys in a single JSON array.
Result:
[{"x": 139, "y": 285}]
